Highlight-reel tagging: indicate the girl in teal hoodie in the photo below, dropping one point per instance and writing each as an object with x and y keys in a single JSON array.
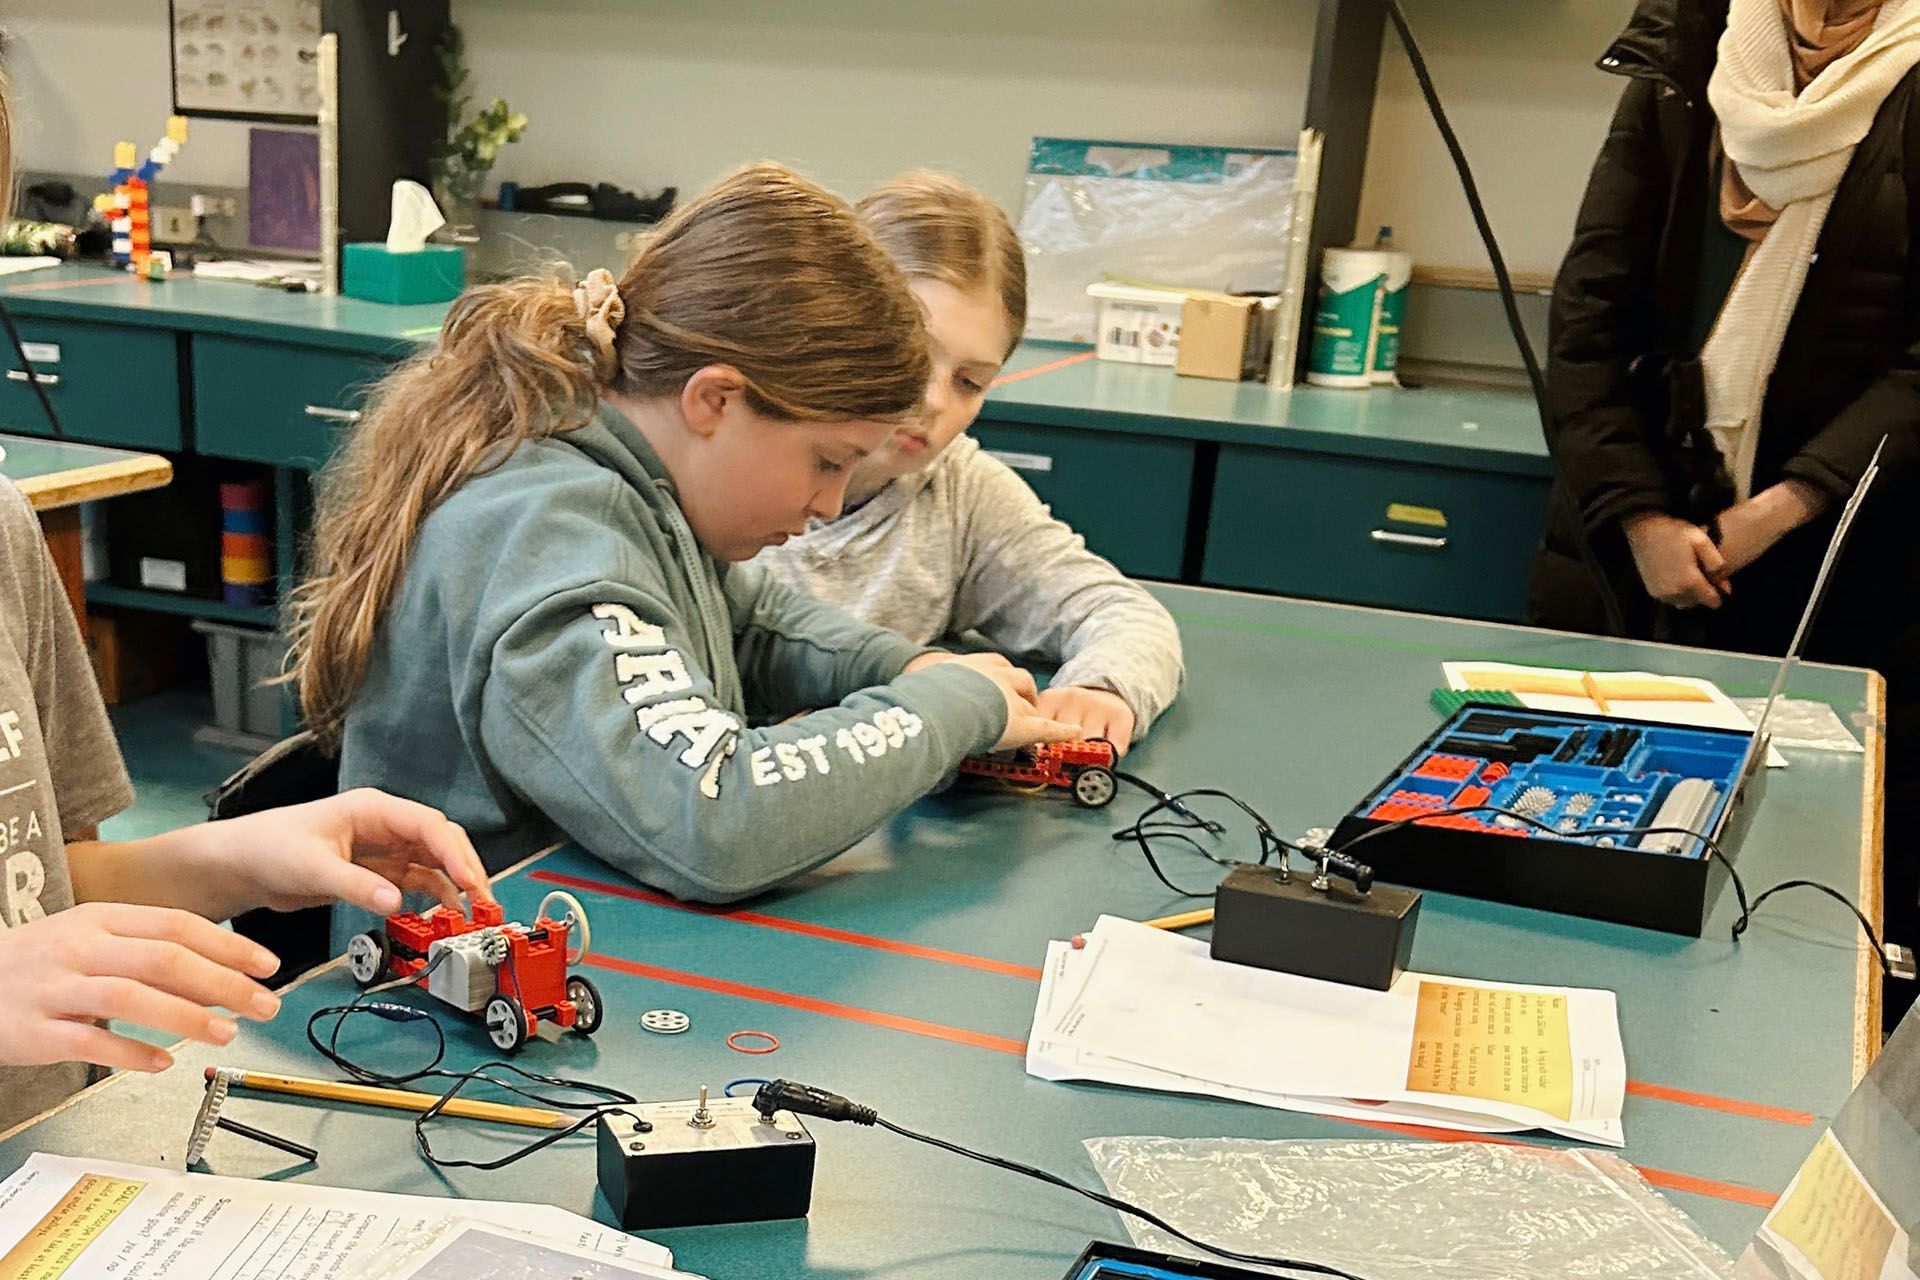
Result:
[{"x": 530, "y": 606}]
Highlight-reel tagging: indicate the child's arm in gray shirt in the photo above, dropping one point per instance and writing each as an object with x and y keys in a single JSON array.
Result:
[{"x": 1029, "y": 585}]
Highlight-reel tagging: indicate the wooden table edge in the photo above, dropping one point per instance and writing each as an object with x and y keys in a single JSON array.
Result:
[
  {"x": 100, "y": 480},
  {"x": 1867, "y": 981}
]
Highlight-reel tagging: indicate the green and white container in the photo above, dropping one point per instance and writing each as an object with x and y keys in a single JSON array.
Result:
[
  {"x": 1346, "y": 325},
  {"x": 1393, "y": 307}
]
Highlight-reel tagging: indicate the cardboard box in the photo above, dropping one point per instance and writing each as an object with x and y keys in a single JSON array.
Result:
[{"x": 1226, "y": 337}]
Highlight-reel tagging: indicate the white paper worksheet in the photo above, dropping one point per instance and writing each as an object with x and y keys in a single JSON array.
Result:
[
  {"x": 98, "y": 1220},
  {"x": 1479, "y": 1056}
]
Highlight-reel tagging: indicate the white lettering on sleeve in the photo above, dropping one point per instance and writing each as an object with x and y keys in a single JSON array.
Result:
[
  {"x": 628, "y": 632},
  {"x": 649, "y": 675},
  {"x": 764, "y": 772}
]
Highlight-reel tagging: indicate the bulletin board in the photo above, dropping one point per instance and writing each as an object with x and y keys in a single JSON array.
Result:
[{"x": 246, "y": 59}]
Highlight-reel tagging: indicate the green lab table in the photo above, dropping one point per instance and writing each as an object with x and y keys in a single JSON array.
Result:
[{"x": 903, "y": 975}]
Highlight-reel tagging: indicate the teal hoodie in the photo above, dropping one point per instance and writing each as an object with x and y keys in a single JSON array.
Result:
[{"x": 563, "y": 661}]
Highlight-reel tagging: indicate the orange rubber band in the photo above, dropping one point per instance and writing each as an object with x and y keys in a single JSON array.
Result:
[{"x": 773, "y": 1042}]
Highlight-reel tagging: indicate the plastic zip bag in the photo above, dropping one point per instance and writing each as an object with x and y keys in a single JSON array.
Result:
[
  {"x": 1411, "y": 1211},
  {"x": 1188, "y": 217}
]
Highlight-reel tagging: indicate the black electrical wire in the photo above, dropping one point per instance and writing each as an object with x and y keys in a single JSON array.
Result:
[
  {"x": 33, "y": 377},
  {"x": 1740, "y": 925},
  {"x": 806, "y": 1100},
  {"x": 1113, "y": 1202},
  {"x": 1747, "y": 908},
  {"x": 1145, "y": 828},
  {"x": 1609, "y": 600},
  {"x": 608, "y": 1100}
]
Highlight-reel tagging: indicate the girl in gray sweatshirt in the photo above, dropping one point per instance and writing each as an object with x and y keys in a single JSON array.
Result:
[
  {"x": 940, "y": 538},
  {"x": 529, "y": 605}
]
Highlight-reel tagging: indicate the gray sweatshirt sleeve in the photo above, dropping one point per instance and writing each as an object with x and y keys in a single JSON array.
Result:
[
  {"x": 597, "y": 711},
  {"x": 1029, "y": 585},
  {"x": 797, "y": 653}
]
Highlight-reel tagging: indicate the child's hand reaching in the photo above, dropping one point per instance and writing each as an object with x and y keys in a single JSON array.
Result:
[
  {"x": 1099, "y": 714},
  {"x": 364, "y": 847},
  {"x": 169, "y": 970},
  {"x": 1027, "y": 725}
]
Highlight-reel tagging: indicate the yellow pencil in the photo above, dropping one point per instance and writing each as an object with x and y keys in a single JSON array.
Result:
[
  {"x": 1592, "y": 687},
  {"x": 1185, "y": 920},
  {"x": 395, "y": 1099}
]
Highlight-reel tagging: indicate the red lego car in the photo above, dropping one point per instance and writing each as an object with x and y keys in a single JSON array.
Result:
[
  {"x": 1085, "y": 768},
  {"x": 514, "y": 975}
]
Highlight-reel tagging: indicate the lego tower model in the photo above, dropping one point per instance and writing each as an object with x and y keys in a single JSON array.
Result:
[{"x": 126, "y": 206}]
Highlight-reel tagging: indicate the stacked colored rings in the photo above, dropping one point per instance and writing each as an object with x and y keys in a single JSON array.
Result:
[{"x": 246, "y": 549}]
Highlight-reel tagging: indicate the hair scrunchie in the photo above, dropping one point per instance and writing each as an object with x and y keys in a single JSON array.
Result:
[{"x": 597, "y": 299}]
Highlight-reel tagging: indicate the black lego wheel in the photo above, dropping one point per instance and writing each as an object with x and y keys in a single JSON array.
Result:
[
  {"x": 586, "y": 1004},
  {"x": 1094, "y": 787},
  {"x": 368, "y": 957}
]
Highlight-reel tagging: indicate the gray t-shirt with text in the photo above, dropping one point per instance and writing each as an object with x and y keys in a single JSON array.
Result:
[{"x": 58, "y": 762}]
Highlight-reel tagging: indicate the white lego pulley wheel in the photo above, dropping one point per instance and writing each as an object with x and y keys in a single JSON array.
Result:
[
  {"x": 665, "y": 1022},
  {"x": 578, "y": 933}
]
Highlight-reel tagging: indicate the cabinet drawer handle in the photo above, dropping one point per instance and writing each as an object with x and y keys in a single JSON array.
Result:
[
  {"x": 1422, "y": 540},
  {"x": 44, "y": 379},
  {"x": 332, "y": 414}
]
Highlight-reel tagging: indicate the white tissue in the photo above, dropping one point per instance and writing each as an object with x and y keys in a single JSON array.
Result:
[{"x": 415, "y": 217}]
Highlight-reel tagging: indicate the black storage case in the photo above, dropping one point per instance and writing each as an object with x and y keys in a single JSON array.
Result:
[{"x": 1626, "y": 885}]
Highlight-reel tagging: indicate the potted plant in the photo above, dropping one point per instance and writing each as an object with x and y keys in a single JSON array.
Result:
[{"x": 463, "y": 160}]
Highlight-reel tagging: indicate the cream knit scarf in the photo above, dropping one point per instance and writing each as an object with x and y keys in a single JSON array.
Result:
[{"x": 1791, "y": 151}]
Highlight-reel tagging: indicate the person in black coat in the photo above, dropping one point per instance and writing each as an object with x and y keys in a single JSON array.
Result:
[{"x": 1648, "y": 533}]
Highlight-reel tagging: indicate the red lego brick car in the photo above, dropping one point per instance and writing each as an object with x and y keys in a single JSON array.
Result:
[
  {"x": 1085, "y": 768},
  {"x": 514, "y": 975}
]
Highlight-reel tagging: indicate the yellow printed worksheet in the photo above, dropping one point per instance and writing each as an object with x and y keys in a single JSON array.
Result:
[
  {"x": 1830, "y": 1224},
  {"x": 1493, "y": 1044},
  {"x": 56, "y": 1242}
]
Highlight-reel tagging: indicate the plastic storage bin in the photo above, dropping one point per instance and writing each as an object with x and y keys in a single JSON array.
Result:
[{"x": 242, "y": 661}]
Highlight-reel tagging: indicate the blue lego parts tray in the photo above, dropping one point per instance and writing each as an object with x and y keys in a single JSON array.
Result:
[{"x": 1587, "y": 780}]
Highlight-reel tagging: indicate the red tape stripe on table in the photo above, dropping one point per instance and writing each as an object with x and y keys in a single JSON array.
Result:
[
  {"x": 957, "y": 958},
  {"x": 960, "y": 959},
  {"x": 808, "y": 1004},
  {"x": 1731, "y": 1106},
  {"x": 1002, "y": 1044},
  {"x": 1063, "y": 363}
]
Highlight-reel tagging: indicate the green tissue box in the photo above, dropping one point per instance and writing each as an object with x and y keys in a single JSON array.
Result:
[{"x": 435, "y": 274}]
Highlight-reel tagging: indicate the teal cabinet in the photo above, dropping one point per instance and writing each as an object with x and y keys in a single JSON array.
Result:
[
  {"x": 274, "y": 402},
  {"x": 111, "y": 384},
  {"x": 1127, "y": 495},
  {"x": 1400, "y": 535}
]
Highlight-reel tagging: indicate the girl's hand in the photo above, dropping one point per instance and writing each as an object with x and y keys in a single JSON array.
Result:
[
  {"x": 1677, "y": 561},
  {"x": 1026, "y": 724},
  {"x": 168, "y": 970},
  {"x": 362, "y": 847},
  {"x": 1099, "y": 714}
]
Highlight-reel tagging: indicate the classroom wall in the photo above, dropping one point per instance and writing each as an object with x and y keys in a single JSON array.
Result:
[{"x": 675, "y": 91}]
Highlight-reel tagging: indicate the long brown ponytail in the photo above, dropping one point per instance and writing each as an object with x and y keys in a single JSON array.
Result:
[{"x": 765, "y": 272}]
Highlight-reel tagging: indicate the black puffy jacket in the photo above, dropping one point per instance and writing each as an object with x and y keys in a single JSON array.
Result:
[{"x": 1620, "y": 342}]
